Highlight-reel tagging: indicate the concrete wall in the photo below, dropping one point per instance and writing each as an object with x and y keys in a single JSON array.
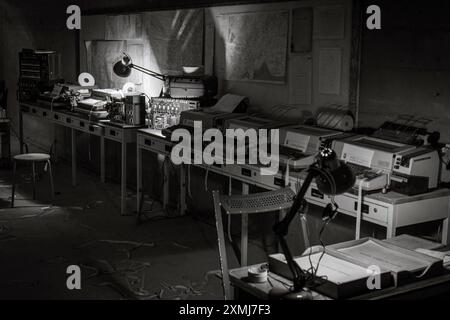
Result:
[
  {"x": 25, "y": 25},
  {"x": 405, "y": 66}
]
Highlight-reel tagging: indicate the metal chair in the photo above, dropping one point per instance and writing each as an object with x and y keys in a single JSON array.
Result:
[
  {"x": 262, "y": 202},
  {"x": 32, "y": 158}
]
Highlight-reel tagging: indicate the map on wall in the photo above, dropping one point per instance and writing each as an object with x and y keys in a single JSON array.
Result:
[
  {"x": 175, "y": 38},
  {"x": 256, "y": 46}
]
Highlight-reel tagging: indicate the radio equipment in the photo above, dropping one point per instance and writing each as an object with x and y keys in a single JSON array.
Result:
[
  {"x": 38, "y": 72},
  {"x": 165, "y": 112},
  {"x": 130, "y": 112}
]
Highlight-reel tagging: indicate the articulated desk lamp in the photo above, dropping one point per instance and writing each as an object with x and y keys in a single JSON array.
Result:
[
  {"x": 333, "y": 177},
  {"x": 123, "y": 67}
]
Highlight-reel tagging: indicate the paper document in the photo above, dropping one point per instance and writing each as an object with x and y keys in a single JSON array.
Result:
[
  {"x": 334, "y": 269},
  {"x": 297, "y": 141},
  {"x": 372, "y": 253},
  {"x": 228, "y": 103},
  {"x": 357, "y": 155}
]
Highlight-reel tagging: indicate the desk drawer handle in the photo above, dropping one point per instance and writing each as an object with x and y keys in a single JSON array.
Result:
[
  {"x": 148, "y": 142},
  {"x": 112, "y": 132}
]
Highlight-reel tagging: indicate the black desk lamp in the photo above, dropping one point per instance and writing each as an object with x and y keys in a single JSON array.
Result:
[
  {"x": 333, "y": 177},
  {"x": 123, "y": 67}
]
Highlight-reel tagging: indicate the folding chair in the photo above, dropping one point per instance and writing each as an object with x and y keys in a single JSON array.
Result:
[{"x": 277, "y": 200}]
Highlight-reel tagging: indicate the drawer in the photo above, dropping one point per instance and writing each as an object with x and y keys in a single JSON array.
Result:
[
  {"x": 95, "y": 129},
  {"x": 46, "y": 114},
  {"x": 86, "y": 126},
  {"x": 349, "y": 204},
  {"x": 58, "y": 117},
  {"x": 158, "y": 145},
  {"x": 113, "y": 134}
]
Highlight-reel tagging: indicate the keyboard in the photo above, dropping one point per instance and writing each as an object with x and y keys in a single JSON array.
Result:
[
  {"x": 295, "y": 158},
  {"x": 369, "y": 178}
]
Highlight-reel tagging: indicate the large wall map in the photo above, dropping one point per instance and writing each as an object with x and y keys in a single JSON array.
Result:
[{"x": 256, "y": 46}]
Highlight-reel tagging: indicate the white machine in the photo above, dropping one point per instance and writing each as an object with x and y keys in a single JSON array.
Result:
[
  {"x": 377, "y": 163},
  {"x": 300, "y": 143},
  {"x": 371, "y": 159},
  {"x": 416, "y": 171}
]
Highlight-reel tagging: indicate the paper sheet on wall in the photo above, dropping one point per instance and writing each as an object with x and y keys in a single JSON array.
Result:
[
  {"x": 256, "y": 46},
  {"x": 176, "y": 39},
  {"x": 300, "y": 84},
  {"x": 357, "y": 155},
  {"x": 123, "y": 27},
  {"x": 330, "y": 60}
]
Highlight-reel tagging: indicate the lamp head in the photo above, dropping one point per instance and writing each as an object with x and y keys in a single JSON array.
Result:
[
  {"x": 122, "y": 68},
  {"x": 335, "y": 176}
]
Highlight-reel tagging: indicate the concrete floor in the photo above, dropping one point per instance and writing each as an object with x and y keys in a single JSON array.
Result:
[{"x": 167, "y": 258}]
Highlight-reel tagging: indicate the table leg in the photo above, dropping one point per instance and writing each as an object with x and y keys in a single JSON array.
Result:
[
  {"x": 165, "y": 184},
  {"x": 74, "y": 156},
  {"x": 391, "y": 227},
  {"x": 138, "y": 178},
  {"x": 123, "y": 189},
  {"x": 33, "y": 170},
  {"x": 102, "y": 159},
  {"x": 182, "y": 200},
  {"x": 445, "y": 232},
  {"x": 21, "y": 131},
  {"x": 244, "y": 230}
]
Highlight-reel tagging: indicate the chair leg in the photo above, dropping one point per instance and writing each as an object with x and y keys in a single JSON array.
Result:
[
  {"x": 50, "y": 173},
  {"x": 33, "y": 170},
  {"x": 13, "y": 183},
  {"x": 222, "y": 247}
]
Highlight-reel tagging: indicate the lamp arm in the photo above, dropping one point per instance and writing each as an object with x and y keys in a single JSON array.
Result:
[
  {"x": 148, "y": 72},
  {"x": 281, "y": 229}
]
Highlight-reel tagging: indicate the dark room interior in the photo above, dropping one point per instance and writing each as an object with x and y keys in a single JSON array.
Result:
[{"x": 224, "y": 150}]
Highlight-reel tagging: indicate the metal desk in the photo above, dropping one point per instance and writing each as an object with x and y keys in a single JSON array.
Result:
[
  {"x": 391, "y": 210},
  {"x": 124, "y": 134},
  {"x": 422, "y": 289},
  {"x": 79, "y": 122}
]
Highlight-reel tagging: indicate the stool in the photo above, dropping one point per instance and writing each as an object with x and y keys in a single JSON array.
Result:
[{"x": 32, "y": 158}]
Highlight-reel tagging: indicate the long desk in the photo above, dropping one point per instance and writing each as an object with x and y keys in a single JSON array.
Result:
[
  {"x": 427, "y": 288},
  {"x": 79, "y": 122},
  {"x": 391, "y": 210}
]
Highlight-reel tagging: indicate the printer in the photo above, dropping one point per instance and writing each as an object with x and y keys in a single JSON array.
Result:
[
  {"x": 299, "y": 144},
  {"x": 246, "y": 122},
  {"x": 371, "y": 159},
  {"x": 416, "y": 171}
]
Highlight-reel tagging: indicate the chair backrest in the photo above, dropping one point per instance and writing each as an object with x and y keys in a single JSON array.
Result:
[{"x": 245, "y": 204}]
